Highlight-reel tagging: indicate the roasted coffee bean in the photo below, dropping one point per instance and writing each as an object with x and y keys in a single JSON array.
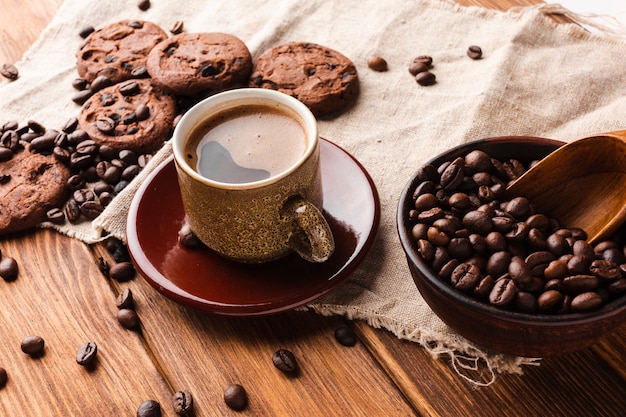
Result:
[
  {"x": 80, "y": 84},
  {"x": 143, "y": 5},
  {"x": 498, "y": 263},
  {"x": 9, "y": 71},
  {"x": 285, "y": 361},
  {"x": 475, "y": 52},
  {"x": 86, "y": 31},
  {"x": 129, "y": 88},
  {"x": 377, "y": 63},
  {"x": 149, "y": 408},
  {"x": 478, "y": 222},
  {"x": 128, "y": 318},
  {"x": 418, "y": 67},
  {"x": 80, "y": 161},
  {"x": 104, "y": 267},
  {"x": 86, "y": 355},
  {"x": 8, "y": 269},
  {"x": 62, "y": 155},
  {"x": 100, "y": 82},
  {"x": 425, "y": 78},
  {"x": 465, "y": 277},
  {"x": 586, "y": 301},
  {"x": 503, "y": 293},
  {"x": 130, "y": 172},
  {"x": 125, "y": 299},
  {"x": 580, "y": 283},
  {"x": 452, "y": 175},
  {"x": 82, "y": 96},
  {"x": 549, "y": 300},
  {"x": 345, "y": 336},
  {"x": 112, "y": 174},
  {"x": 445, "y": 273},
  {"x": 142, "y": 112},
  {"x": 122, "y": 271},
  {"x": 525, "y": 302},
  {"x": 538, "y": 262},
  {"x": 605, "y": 270},
  {"x": 55, "y": 215},
  {"x": 426, "y": 250},
  {"x": 71, "y": 210},
  {"x": 120, "y": 186},
  {"x": 33, "y": 345},
  {"x": 519, "y": 271},
  {"x": 5, "y": 154},
  {"x": 11, "y": 140},
  {"x": 91, "y": 209},
  {"x": 105, "y": 125},
  {"x": 235, "y": 397},
  {"x": 4, "y": 377},
  {"x": 437, "y": 237},
  {"x": 460, "y": 248},
  {"x": 182, "y": 402},
  {"x": 425, "y": 59},
  {"x": 177, "y": 27}
]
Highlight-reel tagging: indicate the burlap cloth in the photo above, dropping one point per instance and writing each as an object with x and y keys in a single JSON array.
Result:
[{"x": 536, "y": 78}]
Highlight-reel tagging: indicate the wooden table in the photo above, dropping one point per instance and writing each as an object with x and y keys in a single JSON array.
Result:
[{"x": 62, "y": 295}]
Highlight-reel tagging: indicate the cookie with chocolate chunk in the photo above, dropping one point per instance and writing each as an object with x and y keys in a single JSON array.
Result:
[
  {"x": 133, "y": 114},
  {"x": 322, "y": 78},
  {"x": 114, "y": 51},
  {"x": 32, "y": 184},
  {"x": 191, "y": 63}
]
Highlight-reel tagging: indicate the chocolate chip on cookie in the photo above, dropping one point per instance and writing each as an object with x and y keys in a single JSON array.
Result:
[
  {"x": 323, "y": 79},
  {"x": 34, "y": 184},
  {"x": 131, "y": 115},
  {"x": 193, "y": 63},
  {"x": 114, "y": 51}
]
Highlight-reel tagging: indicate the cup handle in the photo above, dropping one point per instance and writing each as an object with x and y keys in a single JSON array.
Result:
[{"x": 311, "y": 237}]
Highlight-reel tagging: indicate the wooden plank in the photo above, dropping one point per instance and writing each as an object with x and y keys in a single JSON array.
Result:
[
  {"x": 203, "y": 353},
  {"x": 61, "y": 296},
  {"x": 32, "y": 15},
  {"x": 579, "y": 384}
]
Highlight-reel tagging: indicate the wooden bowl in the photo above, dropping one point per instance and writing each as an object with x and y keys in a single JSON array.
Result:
[{"x": 529, "y": 335}]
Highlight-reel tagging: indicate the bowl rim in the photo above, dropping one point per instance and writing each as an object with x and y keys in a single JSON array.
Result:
[{"x": 410, "y": 248}]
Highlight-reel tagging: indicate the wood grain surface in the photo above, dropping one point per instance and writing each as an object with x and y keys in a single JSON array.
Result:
[{"x": 62, "y": 296}]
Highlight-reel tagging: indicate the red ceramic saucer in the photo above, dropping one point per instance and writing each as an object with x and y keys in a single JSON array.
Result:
[{"x": 200, "y": 279}]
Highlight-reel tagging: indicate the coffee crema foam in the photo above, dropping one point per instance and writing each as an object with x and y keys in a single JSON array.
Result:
[{"x": 246, "y": 144}]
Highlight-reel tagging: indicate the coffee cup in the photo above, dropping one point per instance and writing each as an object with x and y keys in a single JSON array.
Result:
[{"x": 248, "y": 167}]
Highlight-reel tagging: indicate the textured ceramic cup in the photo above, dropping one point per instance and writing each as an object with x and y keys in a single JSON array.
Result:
[{"x": 262, "y": 220}]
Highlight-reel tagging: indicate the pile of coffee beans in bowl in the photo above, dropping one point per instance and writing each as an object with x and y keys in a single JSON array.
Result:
[{"x": 501, "y": 250}]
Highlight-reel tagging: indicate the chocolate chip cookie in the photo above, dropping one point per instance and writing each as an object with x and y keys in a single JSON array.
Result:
[
  {"x": 114, "y": 51},
  {"x": 33, "y": 183},
  {"x": 323, "y": 79},
  {"x": 133, "y": 115},
  {"x": 192, "y": 63}
]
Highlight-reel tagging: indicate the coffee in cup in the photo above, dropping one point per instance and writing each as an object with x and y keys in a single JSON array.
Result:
[{"x": 248, "y": 167}]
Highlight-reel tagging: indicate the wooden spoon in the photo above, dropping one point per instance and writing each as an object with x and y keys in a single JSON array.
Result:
[{"x": 581, "y": 184}]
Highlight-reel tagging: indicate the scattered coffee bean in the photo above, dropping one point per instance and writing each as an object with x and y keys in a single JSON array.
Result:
[
  {"x": 149, "y": 408},
  {"x": 425, "y": 78},
  {"x": 285, "y": 361},
  {"x": 417, "y": 67},
  {"x": 55, "y": 215},
  {"x": 8, "y": 269},
  {"x": 9, "y": 71},
  {"x": 235, "y": 397},
  {"x": 143, "y": 5},
  {"x": 345, "y": 336},
  {"x": 104, "y": 267},
  {"x": 128, "y": 318},
  {"x": 177, "y": 27},
  {"x": 33, "y": 345},
  {"x": 86, "y": 355},
  {"x": 475, "y": 52},
  {"x": 100, "y": 82},
  {"x": 182, "y": 402},
  {"x": 425, "y": 59},
  {"x": 86, "y": 31},
  {"x": 377, "y": 63},
  {"x": 4, "y": 377},
  {"x": 122, "y": 272},
  {"x": 125, "y": 300}
]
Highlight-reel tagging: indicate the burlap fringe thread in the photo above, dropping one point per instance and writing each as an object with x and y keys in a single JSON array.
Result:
[
  {"x": 478, "y": 367},
  {"x": 603, "y": 24}
]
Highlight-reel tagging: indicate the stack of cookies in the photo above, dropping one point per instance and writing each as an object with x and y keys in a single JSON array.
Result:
[{"x": 134, "y": 82}]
